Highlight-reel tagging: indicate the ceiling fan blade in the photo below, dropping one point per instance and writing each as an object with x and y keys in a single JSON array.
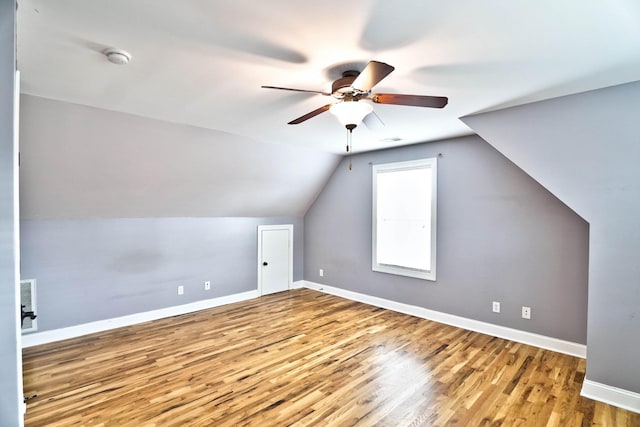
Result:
[
  {"x": 372, "y": 121},
  {"x": 296, "y": 90},
  {"x": 412, "y": 100},
  {"x": 310, "y": 115},
  {"x": 372, "y": 74}
]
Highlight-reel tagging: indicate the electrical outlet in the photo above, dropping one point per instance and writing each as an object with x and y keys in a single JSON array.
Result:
[
  {"x": 526, "y": 312},
  {"x": 321, "y": 272},
  {"x": 180, "y": 289},
  {"x": 496, "y": 307},
  {"x": 207, "y": 285}
]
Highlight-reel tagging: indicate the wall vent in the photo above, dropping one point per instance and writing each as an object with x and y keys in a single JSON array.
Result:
[{"x": 28, "y": 299}]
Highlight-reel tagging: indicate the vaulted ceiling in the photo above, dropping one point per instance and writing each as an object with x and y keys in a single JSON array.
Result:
[{"x": 202, "y": 63}]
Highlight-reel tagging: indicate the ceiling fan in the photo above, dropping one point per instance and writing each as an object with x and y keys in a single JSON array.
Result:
[{"x": 355, "y": 86}]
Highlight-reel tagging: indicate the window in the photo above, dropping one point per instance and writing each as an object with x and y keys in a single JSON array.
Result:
[{"x": 404, "y": 218}]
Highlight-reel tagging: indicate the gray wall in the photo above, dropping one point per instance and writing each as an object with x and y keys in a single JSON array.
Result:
[
  {"x": 10, "y": 352},
  {"x": 96, "y": 269},
  {"x": 118, "y": 210},
  {"x": 501, "y": 236},
  {"x": 585, "y": 149}
]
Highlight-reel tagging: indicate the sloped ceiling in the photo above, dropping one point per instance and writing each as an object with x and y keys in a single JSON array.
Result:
[
  {"x": 82, "y": 162},
  {"x": 202, "y": 63},
  {"x": 216, "y": 144}
]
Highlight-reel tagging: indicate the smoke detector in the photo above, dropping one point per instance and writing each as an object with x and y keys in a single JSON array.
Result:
[{"x": 117, "y": 56}]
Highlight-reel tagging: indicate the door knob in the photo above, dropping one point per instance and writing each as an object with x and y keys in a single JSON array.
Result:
[{"x": 265, "y": 263}]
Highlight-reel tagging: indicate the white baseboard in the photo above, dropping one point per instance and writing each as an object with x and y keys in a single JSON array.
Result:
[
  {"x": 621, "y": 398},
  {"x": 299, "y": 284},
  {"x": 37, "y": 338},
  {"x": 549, "y": 343}
]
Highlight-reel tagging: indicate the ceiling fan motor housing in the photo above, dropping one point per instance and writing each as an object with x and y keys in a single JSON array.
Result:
[{"x": 342, "y": 86}]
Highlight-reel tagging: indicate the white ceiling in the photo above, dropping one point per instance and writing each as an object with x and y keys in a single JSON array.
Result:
[{"x": 202, "y": 62}]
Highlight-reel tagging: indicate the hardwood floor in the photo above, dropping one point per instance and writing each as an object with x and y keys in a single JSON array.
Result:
[{"x": 305, "y": 358}]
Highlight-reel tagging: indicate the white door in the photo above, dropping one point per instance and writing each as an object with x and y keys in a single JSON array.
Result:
[
  {"x": 275, "y": 258},
  {"x": 16, "y": 240}
]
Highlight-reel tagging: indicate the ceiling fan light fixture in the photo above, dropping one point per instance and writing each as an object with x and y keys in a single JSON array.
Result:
[{"x": 350, "y": 113}]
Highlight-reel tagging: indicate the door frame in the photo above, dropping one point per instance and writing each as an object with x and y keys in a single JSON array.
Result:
[{"x": 261, "y": 228}]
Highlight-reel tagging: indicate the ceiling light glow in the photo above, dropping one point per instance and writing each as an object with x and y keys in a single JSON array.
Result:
[{"x": 350, "y": 112}]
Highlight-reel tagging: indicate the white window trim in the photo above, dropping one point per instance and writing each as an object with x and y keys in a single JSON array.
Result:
[{"x": 399, "y": 270}]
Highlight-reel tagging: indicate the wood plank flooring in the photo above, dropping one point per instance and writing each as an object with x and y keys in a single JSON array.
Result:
[{"x": 304, "y": 358}]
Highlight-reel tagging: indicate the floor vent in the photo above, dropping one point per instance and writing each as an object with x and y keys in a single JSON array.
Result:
[{"x": 28, "y": 299}]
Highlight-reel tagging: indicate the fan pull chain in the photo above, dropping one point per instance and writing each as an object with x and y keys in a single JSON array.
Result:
[{"x": 349, "y": 147}]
